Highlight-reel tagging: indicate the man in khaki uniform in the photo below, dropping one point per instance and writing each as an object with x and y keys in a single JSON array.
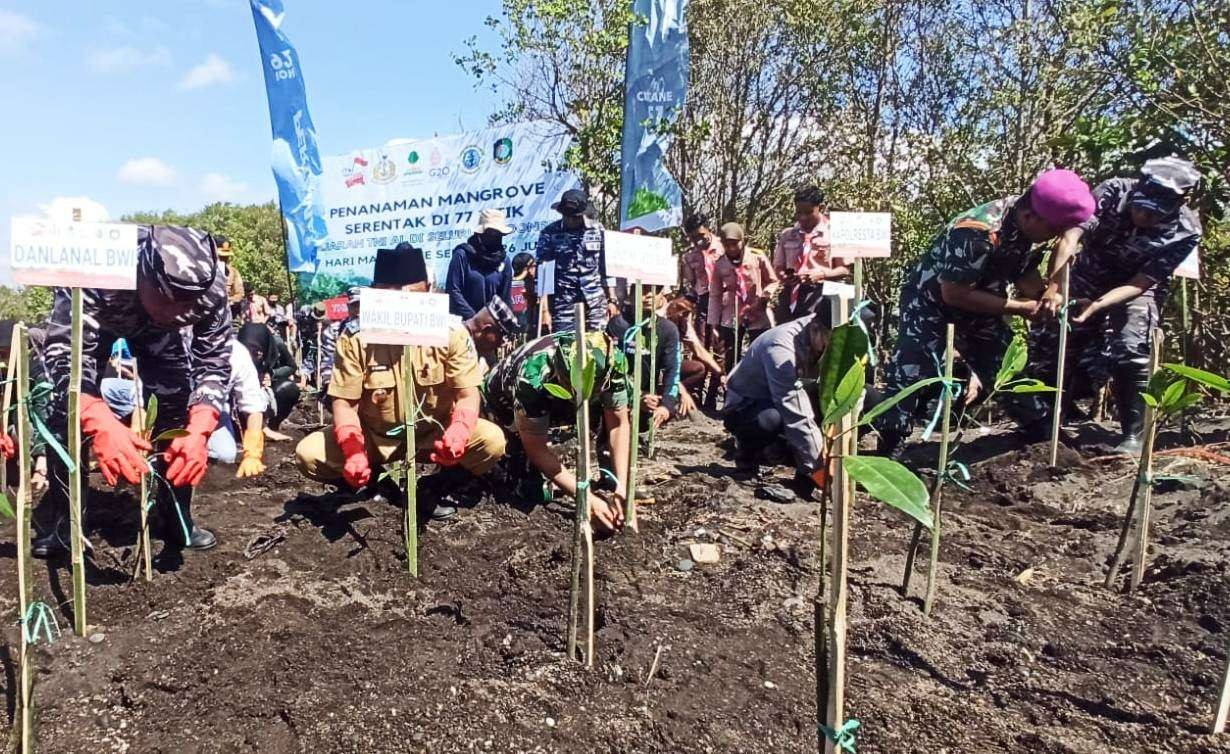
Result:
[
  {"x": 368, "y": 403},
  {"x": 234, "y": 281}
]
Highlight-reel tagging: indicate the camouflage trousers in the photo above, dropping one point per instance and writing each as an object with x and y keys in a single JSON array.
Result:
[
  {"x": 981, "y": 340},
  {"x": 1114, "y": 344},
  {"x": 563, "y": 308}
]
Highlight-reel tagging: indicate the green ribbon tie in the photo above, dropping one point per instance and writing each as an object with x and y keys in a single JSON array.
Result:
[
  {"x": 843, "y": 737},
  {"x": 39, "y": 618},
  {"x": 958, "y": 474},
  {"x": 952, "y": 388},
  {"x": 38, "y": 392}
]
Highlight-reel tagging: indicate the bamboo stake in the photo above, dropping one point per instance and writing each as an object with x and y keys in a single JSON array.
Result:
[
  {"x": 582, "y": 535},
  {"x": 1146, "y": 471},
  {"x": 937, "y": 492},
  {"x": 634, "y": 454},
  {"x": 409, "y": 415},
  {"x": 653, "y": 360},
  {"x": 843, "y": 493},
  {"x": 1057, "y": 407},
  {"x": 138, "y": 427},
  {"x": 1223, "y": 704},
  {"x": 19, "y": 355},
  {"x": 1184, "y": 340},
  {"x": 858, "y": 281},
  {"x": 320, "y": 405},
  {"x": 75, "y": 473}
]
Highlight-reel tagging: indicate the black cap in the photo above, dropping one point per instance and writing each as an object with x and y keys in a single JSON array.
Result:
[
  {"x": 403, "y": 265},
  {"x": 572, "y": 203}
]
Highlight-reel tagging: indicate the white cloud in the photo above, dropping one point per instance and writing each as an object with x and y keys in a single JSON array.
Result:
[
  {"x": 66, "y": 209},
  {"x": 213, "y": 71},
  {"x": 126, "y": 59},
  {"x": 149, "y": 171},
  {"x": 216, "y": 187},
  {"x": 16, "y": 32}
]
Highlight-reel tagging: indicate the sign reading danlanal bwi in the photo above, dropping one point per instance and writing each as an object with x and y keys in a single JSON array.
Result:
[{"x": 73, "y": 255}]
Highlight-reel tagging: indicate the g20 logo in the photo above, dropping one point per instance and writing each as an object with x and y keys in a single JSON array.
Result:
[
  {"x": 283, "y": 65},
  {"x": 438, "y": 172}
]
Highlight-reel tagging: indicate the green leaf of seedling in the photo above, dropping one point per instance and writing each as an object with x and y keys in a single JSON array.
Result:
[
  {"x": 849, "y": 390},
  {"x": 1149, "y": 399},
  {"x": 6, "y": 508},
  {"x": 1028, "y": 385},
  {"x": 559, "y": 391},
  {"x": 1172, "y": 396},
  {"x": 890, "y": 482},
  {"x": 1189, "y": 400},
  {"x": 171, "y": 434},
  {"x": 885, "y": 405},
  {"x": 587, "y": 379},
  {"x": 1208, "y": 379},
  {"x": 847, "y": 345},
  {"x": 1014, "y": 361},
  {"x": 151, "y": 413}
]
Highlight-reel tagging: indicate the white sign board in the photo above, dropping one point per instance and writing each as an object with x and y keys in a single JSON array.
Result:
[
  {"x": 861, "y": 234},
  {"x": 401, "y": 318},
  {"x": 1190, "y": 267},
  {"x": 73, "y": 255},
  {"x": 647, "y": 259}
]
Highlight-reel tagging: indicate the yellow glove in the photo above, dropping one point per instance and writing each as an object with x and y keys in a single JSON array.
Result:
[{"x": 253, "y": 451}]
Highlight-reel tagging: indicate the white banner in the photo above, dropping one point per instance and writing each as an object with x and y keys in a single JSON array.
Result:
[
  {"x": 429, "y": 192},
  {"x": 402, "y": 318},
  {"x": 73, "y": 255},
  {"x": 1190, "y": 268},
  {"x": 635, "y": 257},
  {"x": 861, "y": 234}
]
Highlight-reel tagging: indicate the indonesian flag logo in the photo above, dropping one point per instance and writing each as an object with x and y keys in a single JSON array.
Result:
[{"x": 355, "y": 180}]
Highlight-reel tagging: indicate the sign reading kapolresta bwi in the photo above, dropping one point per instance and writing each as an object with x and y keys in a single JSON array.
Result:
[
  {"x": 430, "y": 192},
  {"x": 402, "y": 318},
  {"x": 647, "y": 259},
  {"x": 861, "y": 234},
  {"x": 74, "y": 255}
]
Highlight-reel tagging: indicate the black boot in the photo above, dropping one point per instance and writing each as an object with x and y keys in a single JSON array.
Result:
[
  {"x": 1129, "y": 384},
  {"x": 52, "y": 544}
]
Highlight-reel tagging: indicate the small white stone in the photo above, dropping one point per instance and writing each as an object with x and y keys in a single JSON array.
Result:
[
  {"x": 770, "y": 685},
  {"x": 550, "y": 722}
]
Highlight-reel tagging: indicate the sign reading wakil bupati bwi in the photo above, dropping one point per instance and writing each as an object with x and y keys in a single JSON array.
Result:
[
  {"x": 74, "y": 255},
  {"x": 861, "y": 234},
  {"x": 402, "y": 318},
  {"x": 640, "y": 258}
]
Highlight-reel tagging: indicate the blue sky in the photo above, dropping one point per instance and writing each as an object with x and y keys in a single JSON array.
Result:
[{"x": 143, "y": 105}]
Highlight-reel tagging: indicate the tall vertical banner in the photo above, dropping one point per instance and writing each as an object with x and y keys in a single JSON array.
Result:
[
  {"x": 296, "y": 160},
  {"x": 656, "y": 84}
]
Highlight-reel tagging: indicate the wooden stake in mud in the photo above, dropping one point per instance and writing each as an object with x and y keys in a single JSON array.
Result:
[
  {"x": 1146, "y": 471},
  {"x": 138, "y": 427},
  {"x": 409, "y": 416},
  {"x": 582, "y": 532},
  {"x": 1223, "y": 704},
  {"x": 941, "y": 472},
  {"x": 637, "y": 363},
  {"x": 653, "y": 360},
  {"x": 1057, "y": 408},
  {"x": 320, "y": 403},
  {"x": 19, "y": 373},
  {"x": 843, "y": 494},
  {"x": 858, "y": 281},
  {"x": 75, "y": 472}
]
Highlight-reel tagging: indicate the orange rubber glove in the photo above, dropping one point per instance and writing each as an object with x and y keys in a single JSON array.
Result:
[
  {"x": 358, "y": 470},
  {"x": 120, "y": 452},
  {"x": 188, "y": 456},
  {"x": 253, "y": 453},
  {"x": 448, "y": 450}
]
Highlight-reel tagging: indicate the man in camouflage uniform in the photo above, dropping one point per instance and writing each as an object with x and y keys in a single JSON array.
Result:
[
  {"x": 1122, "y": 261},
  {"x": 519, "y": 400},
  {"x": 180, "y": 286},
  {"x": 964, "y": 279},
  {"x": 368, "y": 405},
  {"x": 575, "y": 244}
]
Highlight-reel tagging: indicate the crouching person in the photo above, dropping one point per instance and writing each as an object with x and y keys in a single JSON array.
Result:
[
  {"x": 767, "y": 395},
  {"x": 519, "y": 399},
  {"x": 369, "y": 405}
]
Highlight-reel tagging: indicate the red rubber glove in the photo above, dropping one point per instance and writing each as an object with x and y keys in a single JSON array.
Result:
[
  {"x": 448, "y": 450},
  {"x": 188, "y": 456},
  {"x": 120, "y": 452},
  {"x": 8, "y": 448},
  {"x": 358, "y": 470}
]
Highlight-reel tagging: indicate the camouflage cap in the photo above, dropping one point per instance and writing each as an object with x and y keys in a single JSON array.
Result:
[
  {"x": 180, "y": 263},
  {"x": 1164, "y": 183},
  {"x": 504, "y": 316}
]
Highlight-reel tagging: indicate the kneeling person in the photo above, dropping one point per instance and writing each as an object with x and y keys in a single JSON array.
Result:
[
  {"x": 519, "y": 399},
  {"x": 368, "y": 404}
]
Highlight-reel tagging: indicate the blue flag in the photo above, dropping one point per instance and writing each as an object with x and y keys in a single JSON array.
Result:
[
  {"x": 296, "y": 161},
  {"x": 656, "y": 82}
]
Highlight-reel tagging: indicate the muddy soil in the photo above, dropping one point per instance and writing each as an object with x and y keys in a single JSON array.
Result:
[{"x": 323, "y": 643}]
